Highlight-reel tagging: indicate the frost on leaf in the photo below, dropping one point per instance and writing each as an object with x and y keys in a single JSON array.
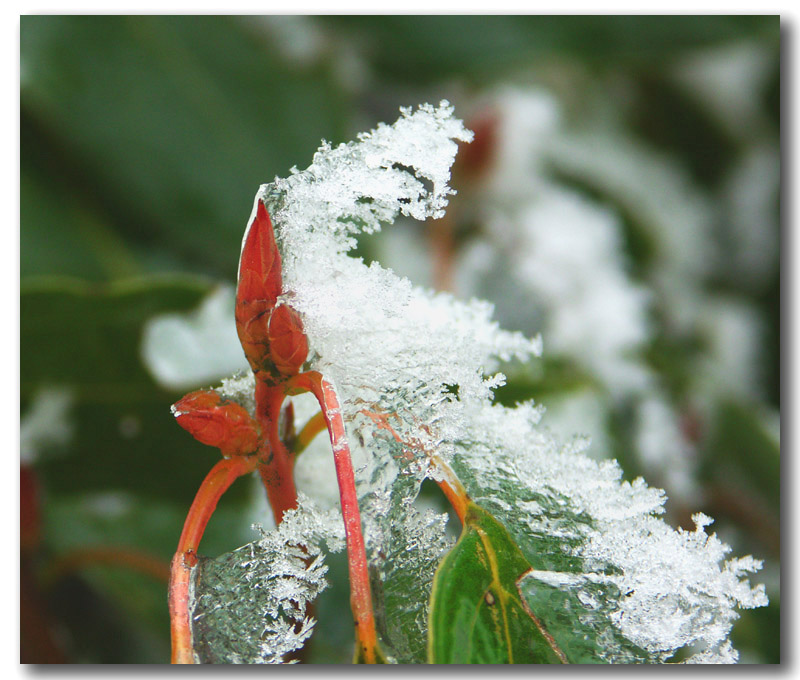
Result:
[
  {"x": 410, "y": 552},
  {"x": 415, "y": 372},
  {"x": 403, "y": 360},
  {"x": 249, "y": 606},
  {"x": 635, "y": 589}
]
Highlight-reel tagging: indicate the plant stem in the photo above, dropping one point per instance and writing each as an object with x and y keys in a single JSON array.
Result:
[
  {"x": 275, "y": 464},
  {"x": 360, "y": 593},
  {"x": 111, "y": 555},
  {"x": 452, "y": 488},
  {"x": 449, "y": 483},
  {"x": 310, "y": 430},
  {"x": 216, "y": 483}
]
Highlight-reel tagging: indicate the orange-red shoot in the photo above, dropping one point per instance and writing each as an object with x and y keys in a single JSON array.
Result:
[
  {"x": 217, "y": 422},
  {"x": 271, "y": 333},
  {"x": 272, "y": 336}
]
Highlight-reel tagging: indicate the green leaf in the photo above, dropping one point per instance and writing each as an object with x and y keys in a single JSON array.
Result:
[
  {"x": 741, "y": 468},
  {"x": 547, "y": 528},
  {"x": 426, "y": 48},
  {"x": 88, "y": 336},
  {"x": 741, "y": 446},
  {"x": 61, "y": 236},
  {"x": 169, "y": 124},
  {"x": 540, "y": 379},
  {"x": 477, "y": 613}
]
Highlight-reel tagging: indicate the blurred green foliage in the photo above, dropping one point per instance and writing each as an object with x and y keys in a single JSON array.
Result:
[{"x": 143, "y": 140}]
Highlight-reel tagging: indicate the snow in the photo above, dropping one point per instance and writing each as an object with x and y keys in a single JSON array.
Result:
[
  {"x": 415, "y": 372},
  {"x": 250, "y": 606}
]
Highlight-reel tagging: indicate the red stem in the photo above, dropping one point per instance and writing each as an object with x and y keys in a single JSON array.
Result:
[
  {"x": 452, "y": 488},
  {"x": 275, "y": 464},
  {"x": 360, "y": 593},
  {"x": 216, "y": 483},
  {"x": 118, "y": 556}
]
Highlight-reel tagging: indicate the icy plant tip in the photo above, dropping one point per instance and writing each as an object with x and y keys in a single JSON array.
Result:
[{"x": 558, "y": 561}]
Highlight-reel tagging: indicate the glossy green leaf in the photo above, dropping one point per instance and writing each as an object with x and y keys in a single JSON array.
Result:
[
  {"x": 549, "y": 540},
  {"x": 425, "y": 48},
  {"x": 86, "y": 339},
  {"x": 88, "y": 336},
  {"x": 168, "y": 123},
  {"x": 477, "y": 612}
]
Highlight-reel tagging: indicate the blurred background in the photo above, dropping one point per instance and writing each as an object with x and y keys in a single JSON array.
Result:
[{"x": 621, "y": 197}]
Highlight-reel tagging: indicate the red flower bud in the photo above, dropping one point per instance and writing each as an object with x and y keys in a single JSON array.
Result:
[
  {"x": 216, "y": 422},
  {"x": 272, "y": 336},
  {"x": 288, "y": 346},
  {"x": 260, "y": 262}
]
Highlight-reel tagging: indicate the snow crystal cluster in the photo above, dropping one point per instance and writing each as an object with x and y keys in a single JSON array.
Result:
[
  {"x": 671, "y": 589},
  {"x": 397, "y": 353},
  {"x": 552, "y": 259},
  {"x": 415, "y": 372},
  {"x": 251, "y": 604}
]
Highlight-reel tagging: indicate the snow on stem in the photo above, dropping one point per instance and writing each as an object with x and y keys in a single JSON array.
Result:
[
  {"x": 360, "y": 593},
  {"x": 451, "y": 487}
]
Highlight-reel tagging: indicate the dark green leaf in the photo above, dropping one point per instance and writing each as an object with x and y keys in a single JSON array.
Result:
[
  {"x": 61, "y": 237},
  {"x": 542, "y": 378},
  {"x": 477, "y": 613},
  {"x": 578, "y": 613},
  {"x": 170, "y": 123},
  {"x": 426, "y": 48},
  {"x": 88, "y": 336},
  {"x": 740, "y": 445}
]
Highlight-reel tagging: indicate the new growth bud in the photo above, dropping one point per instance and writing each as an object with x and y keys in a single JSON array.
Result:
[
  {"x": 216, "y": 422},
  {"x": 271, "y": 333}
]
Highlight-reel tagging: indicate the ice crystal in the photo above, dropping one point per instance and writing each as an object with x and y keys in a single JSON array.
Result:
[
  {"x": 552, "y": 259},
  {"x": 415, "y": 373},
  {"x": 250, "y": 606},
  {"x": 240, "y": 387},
  {"x": 387, "y": 346},
  {"x": 406, "y": 558},
  {"x": 665, "y": 589}
]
